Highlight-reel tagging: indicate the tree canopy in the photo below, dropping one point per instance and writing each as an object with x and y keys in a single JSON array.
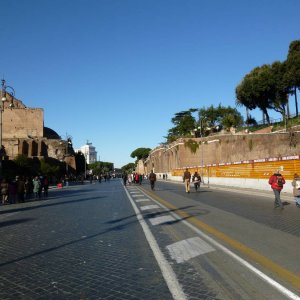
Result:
[
  {"x": 268, "y": 86},
  {"x": 209, "y": 119},
  {"x": 129, "y": 168},
  {"x": 140, "y": 153},
  {"x": 184, "y": 123},
  {"x": 220, "y": 116}
]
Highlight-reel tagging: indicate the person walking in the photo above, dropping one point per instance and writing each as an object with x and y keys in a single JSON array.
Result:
[
  {"x": 36, "y": 187},
  {"x": 125, "y": 178},
  {"x": 28, "y": 188},
  {"x": 20, "y": 189},
  {"x": 152, "y": 178},
  {"x": 196, "y": 180},
  {"x": 45, "y": 186},
  {"x": 296, "y": 188},
  {"x": 4, "y": 191},
  {"x": 277, "y": 181},
  {"x": 187, "y": 180}
]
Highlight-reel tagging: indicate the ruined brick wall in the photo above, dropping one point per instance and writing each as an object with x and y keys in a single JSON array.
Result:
[
  {"x": 22, "y": 123},
  {"x": 225, "y": 148}
]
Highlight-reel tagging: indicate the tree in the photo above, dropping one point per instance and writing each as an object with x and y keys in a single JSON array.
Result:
[
  {"x": 263, "y": 88},
  {"x": 140, "y": 153},
  {"x": 129, "y": 168},
  {"x": 221, "y": 116},
  {"x": 50, "y": 167},
  {"x": 100, "y": 167},
  {"x": 292, "y": 74},
  {"x": 184, "y": 123}
]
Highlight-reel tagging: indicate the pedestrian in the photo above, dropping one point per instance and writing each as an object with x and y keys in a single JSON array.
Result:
[
  {"x": 36, "y": 187},
  {"x": 187, "y": 180},
  {"x": 136, "y": 178},
  {"x": 4, "y": 191},
  {"x": 196, "y": 180},
  {"x": 12, "y": 191},
  {"x": 277, "y": 181},
  {"x": 125, "y": 178},
  {"x": 140, "y": 178},
  {"x": 296, "y": 188},
  {"x": 45, "y": 186},
  {"x": 28, "y": 188},
  {"x": 129, "y": 179},
  {"x": 20, "y": 189},
  {"x": 152, "y": 178}
]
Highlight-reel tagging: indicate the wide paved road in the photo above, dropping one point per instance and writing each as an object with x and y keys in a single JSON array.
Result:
[{"x": 104, "y": 241}]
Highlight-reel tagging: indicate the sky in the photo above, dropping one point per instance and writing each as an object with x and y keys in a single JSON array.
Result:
[{"x": 115, "y": 72}]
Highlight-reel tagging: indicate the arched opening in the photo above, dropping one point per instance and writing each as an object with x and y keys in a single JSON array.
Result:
[
  {"x": 34, "y": 149},
  {"x": 44, "y": 150},
  {"x": 25, "y": 148}
]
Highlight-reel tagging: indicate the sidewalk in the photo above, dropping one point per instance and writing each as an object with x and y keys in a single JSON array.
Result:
[{"x": 268, "y": 194}]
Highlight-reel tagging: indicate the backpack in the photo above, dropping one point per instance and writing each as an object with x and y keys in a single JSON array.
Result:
[
  {"x": 279, "y": 181},
  {"x": 152, "y": 177}
]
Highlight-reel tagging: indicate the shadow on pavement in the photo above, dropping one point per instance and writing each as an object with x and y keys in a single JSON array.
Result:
[
  {"x": 14, "y": 222},
  {"x": 44, "y": 205}
]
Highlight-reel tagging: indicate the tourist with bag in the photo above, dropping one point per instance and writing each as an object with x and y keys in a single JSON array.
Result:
[
  {"x": 196, "y": 180},
  {"x": 277, "y": 181}
]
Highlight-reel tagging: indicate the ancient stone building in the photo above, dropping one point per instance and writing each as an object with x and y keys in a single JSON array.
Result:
[{"x": 23, "y": 132}]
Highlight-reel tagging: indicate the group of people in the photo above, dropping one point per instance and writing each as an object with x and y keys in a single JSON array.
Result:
[
  {"x": 276, "y": 181},
  {"x": 21, "y": 189},
  {"x": 196, "y": 179},
  {"x": 133, "y": 178}
]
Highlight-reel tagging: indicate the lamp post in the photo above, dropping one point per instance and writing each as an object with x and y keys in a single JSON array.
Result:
[
  {"x": 4, "y": 88},
  {"x": 201, "y": 136}
]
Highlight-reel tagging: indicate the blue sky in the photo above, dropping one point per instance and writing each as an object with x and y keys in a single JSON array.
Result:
[{"x": 115, "y": 72}]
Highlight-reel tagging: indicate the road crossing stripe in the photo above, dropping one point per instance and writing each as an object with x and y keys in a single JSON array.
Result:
[
  {"x": 186, "y": 249},
  {"x": 148, "y": 207},
  {"x": 142, "y": 200},
  {"x": 161, "y": 220}
]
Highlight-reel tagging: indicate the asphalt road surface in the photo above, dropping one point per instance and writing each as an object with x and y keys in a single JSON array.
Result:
[{"x": 107, "y": 241}]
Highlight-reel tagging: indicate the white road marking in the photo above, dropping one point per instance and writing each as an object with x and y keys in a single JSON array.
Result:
[
  {"x": 167, "y": 271},
  {"x": 148, "y": 207},
  {"x": 283, "y": 290},
  {"x": 138, "y": 195},
  {"x": 142, "y": 200},
  {"x": 185, "y": 250},
  {"x": 161, "y": 220}
]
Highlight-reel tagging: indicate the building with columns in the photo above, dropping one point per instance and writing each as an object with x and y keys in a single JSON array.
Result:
[
  {"x": 23, "y": 132},
  {"x": 89, "y": 151}
]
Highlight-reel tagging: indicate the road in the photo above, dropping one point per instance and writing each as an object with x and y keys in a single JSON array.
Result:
[{"x": 107, "y": 241}]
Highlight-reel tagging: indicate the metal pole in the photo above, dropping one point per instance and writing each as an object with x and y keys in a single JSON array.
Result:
[
  {"x": 1, "y": 110},
  {"x": 201, "y": 137}
]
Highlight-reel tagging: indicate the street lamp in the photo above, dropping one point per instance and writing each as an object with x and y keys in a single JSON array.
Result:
[
  {"x": 201, "y": 135},
  {"x": 4, "y": 93}
]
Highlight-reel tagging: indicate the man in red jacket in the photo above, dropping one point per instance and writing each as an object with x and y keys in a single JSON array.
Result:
[{"x": 277, "y": 181}]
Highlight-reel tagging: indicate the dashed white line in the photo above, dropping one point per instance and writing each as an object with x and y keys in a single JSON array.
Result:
[
  {"x": 142, "y": 200},
  {"x": 161, "y": 220},
  {"x": 148, "y": 207},
  {"x": 186, "y": 249}
]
